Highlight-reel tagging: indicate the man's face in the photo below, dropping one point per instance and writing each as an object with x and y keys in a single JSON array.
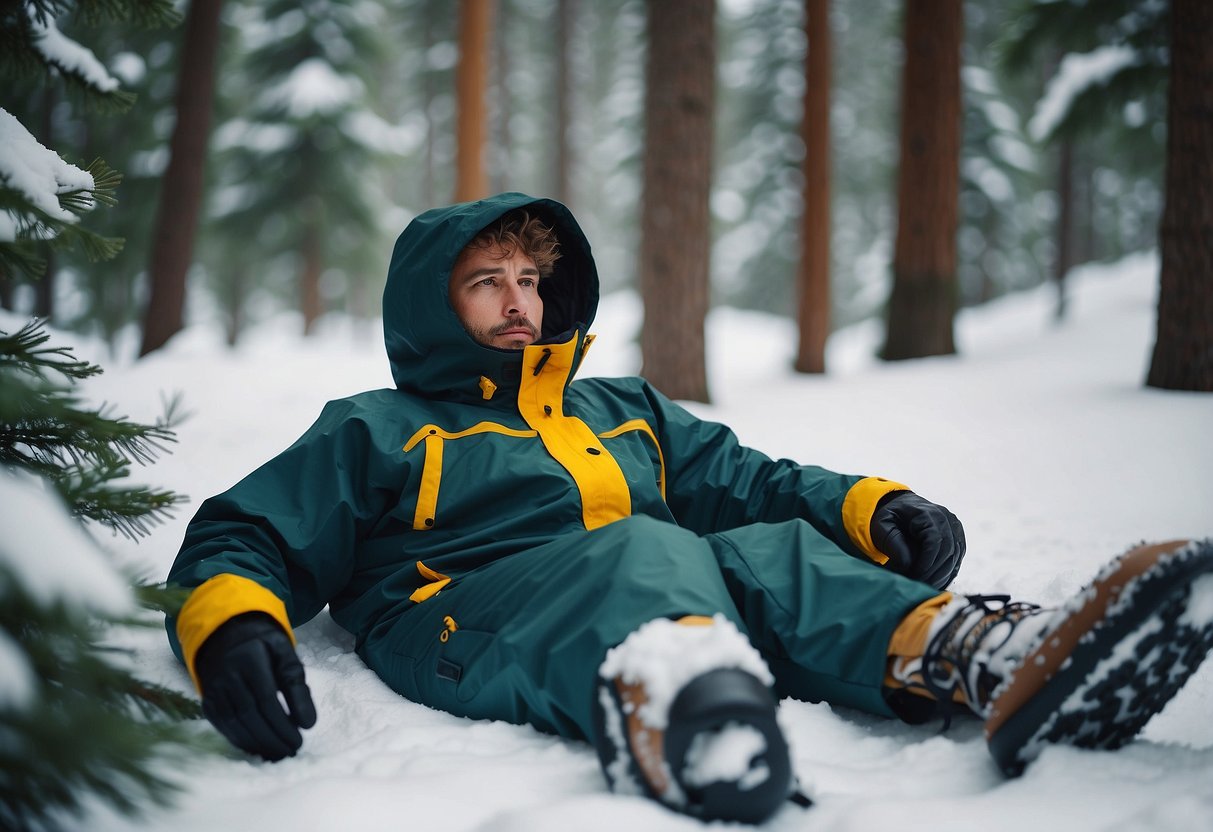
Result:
[{"x": 496, "y": 296}]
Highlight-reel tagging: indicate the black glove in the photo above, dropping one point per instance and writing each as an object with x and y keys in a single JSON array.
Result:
[
  {"x": 923, "y": 540},
  {"x": 241, "y": 668}
]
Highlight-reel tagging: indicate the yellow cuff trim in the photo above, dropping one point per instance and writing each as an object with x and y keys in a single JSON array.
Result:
[
  {"x": 216, "y": 602},
  {"x": 857, "y": 511}
]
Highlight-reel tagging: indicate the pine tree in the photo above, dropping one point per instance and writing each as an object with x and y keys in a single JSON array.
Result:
[
  {"x": 77, "y": 723},
  {"x": 298, "y": 196},
  {"x": 41, "y": 68},
  {"x": 76, "y": 720},
  {"x": 1105, "y": 99},
  {"x": 758, "y": 191},
  {"x": 83, "y": 452}
]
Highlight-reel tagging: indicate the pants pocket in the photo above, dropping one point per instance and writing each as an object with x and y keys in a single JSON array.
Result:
[{"x": 463, "y": 662}]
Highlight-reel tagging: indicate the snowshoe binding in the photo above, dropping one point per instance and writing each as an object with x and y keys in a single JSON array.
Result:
[{"x": 1090, "y": 674}]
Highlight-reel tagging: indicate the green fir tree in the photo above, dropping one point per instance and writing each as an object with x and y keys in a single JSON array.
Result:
[{"x": 78, "y": 725}]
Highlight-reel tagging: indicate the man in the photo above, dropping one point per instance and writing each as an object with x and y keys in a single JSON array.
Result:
[{"x": 591, "y": 559}]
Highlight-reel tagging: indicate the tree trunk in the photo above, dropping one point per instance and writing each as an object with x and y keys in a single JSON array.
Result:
[
  {"x": 1065, "y": 223},
  {"x": 1183, "y": 353},
  {"x": 311, "y": 303},
  {"x": 563, "y": 163},
  {"x": 814, "y": 276},
  {"x": 471, "y": 79},
  {"x": 237, "y": 299},
  {"x": 924, "y": 298},
  {"x": 675, "y": 220},
  {"x": 498, "y": 153},
  {"x": 181, "y": 187}
]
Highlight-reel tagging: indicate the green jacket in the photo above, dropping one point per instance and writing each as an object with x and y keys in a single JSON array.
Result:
[{"x": 477, "y": 454}]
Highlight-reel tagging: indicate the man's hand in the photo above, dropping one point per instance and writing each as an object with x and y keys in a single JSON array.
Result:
[
  {"x": 923, "y": 540},
  {"x": 241, "y": 669}
]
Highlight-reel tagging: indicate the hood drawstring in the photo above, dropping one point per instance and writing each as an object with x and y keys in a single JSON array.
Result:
[{"x": 547, "y": 353}]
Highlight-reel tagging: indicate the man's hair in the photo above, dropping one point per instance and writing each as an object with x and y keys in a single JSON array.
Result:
[{"x": 519, "y": 231}]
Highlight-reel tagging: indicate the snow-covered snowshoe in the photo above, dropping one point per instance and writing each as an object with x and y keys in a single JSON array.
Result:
[
  {"x": 1090, "y": 674},
  {"x": 686, "y": 716}
]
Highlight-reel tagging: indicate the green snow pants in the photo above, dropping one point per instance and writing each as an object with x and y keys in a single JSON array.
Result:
[{"x": 521, "y": 639}]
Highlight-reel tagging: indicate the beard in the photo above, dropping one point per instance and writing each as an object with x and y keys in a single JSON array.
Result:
[{"x": 490, "y": 337}]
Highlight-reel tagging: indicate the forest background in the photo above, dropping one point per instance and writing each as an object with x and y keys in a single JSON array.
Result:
[{"x": 334, "y": 123}]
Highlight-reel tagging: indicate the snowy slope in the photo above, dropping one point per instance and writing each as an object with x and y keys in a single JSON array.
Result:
[{"x": 1041, "y": 438}]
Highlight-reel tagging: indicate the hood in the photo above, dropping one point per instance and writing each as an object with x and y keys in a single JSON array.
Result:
[{"x": 430, "y": 352}]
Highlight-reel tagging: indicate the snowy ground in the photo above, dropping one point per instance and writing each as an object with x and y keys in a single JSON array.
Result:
[{"x": 1041, "y": 438}]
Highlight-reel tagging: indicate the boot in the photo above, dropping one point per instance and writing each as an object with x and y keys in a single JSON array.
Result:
[
  {"x": 685, "y": 715},
  {"x": 1090, "y": 674}
]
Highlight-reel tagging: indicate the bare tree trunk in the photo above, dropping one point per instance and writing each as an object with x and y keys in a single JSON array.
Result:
[
  {"x": 923, "y": 303},
  {"x": 562, "y": 167},
  {"x": 181, "y": 187},
  {"x": 471, "y": 79},
  {"x": 1183, "y": 353},
  {"x": 675, "y": 221},
  {"x": 814, "y": 277}
]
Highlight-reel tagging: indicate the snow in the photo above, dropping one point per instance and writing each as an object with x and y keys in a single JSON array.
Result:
[
  {"x": 35, "y": 173},
  {"x": 1077, "y": 73},
  {"x": 726, "y": 756},
  {"x": 314, "y": 88},
  {"x": 47, "y": 553},
  {"x": 18, "y": 685},
  {"x": 663, "y": 656},
  {"x": 1200, "y": 609},
  {"x": 1041, "y": 438},
  {"x": 63, "y": 52}
]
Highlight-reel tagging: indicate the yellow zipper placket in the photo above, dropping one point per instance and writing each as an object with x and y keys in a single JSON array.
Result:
[{"x": 604, "y": 491}]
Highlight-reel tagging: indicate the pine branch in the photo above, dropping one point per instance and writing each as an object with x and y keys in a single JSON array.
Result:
[
  {"x": 131, "y": 511},
  {"x": 147, "y": 14},
  {"x": 160, "y": 597},
  {"x": 91, "y": 727},
  {"x": 82, "y": 451},
  {"x": 22, "y": 257},
  {"x": 25, "y": 349},
  {"x": 1089, "y": 109}
]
